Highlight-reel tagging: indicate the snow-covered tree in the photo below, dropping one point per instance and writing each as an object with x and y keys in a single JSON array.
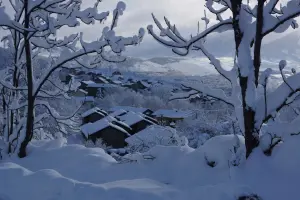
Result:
[
  {"x": 35, "y": 24},
  {"x": 250, "y": 22}
]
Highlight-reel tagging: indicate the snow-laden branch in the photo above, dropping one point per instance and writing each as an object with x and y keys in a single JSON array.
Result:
[
  {"x": 5, "y": 21},
  {"x": 183, "y": 95},
  {"x": 271, "y": 6},
  {"x": 175, "y": 42},
  {"x": 53, "y": 113},
  {"x": 89, "y": 48},
  {"x": 280, "y": 23},
  {"x": 284, "y": 128},
  {"x": 277, "y": 99},
  {"x": 214, "y": 62},
  {"x": 218, "y": 94}
]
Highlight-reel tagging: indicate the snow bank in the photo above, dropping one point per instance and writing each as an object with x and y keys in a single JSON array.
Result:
[{"x": 56, "y": 170}]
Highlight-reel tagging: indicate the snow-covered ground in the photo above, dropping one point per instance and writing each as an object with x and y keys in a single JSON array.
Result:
[{"x": 55, "y": 170}]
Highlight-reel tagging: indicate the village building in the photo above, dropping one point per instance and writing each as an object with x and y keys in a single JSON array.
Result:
[
  {"x": 171, "y": 117},
  {"x": 94, "y": 89},
  {"x": 83, "y": 76},
  {"x": 93, "y": 115},
  {"x": 135, "y": 121},
  {"x": 111, "y": 134},
  {"x": 78, "y": 93},
  {"x": 136, "y": 86},
  {"x": 116, "y": 73},
  {"x": 120, "y": 123},
  {"x": 100, "y": 79}
]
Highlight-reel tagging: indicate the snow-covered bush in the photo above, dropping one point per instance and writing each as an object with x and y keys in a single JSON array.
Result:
[
  {"x": 153, "y": 136},
  {"x": 98, "y": 144},
  {"x": 224, "y": 151},
  {"x": 207, "y": 124},
  {"x": 126, "y": 97}
]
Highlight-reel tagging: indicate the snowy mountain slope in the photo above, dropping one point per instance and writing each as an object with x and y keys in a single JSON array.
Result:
[
  {"x": 287, "y": 47},
  {"x": 200, "y": 66},
  {"x": 55, "y": 170},
  {"x": 193, "y": 66}
]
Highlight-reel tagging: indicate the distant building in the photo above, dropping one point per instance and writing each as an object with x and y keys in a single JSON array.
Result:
[
  {"x": 171, "y": 117},
  {"x": 78, "y": 93},
  {"x": 65, "y": 78},
  {"x": 116, "y": 73},
  {"x": 100, "y": 79},
  {"x": 93, "y": 88},
  {"x": 136, "y": 86},
  {"x": 93, "y": 115},
  {"x": 65, "y": 75}
]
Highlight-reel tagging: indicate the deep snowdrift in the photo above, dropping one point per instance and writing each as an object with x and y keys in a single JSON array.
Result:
[{"x": 55, "y": 170}]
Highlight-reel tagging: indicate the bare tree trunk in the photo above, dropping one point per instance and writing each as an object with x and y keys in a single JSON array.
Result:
[
  {"x": 251, "y": 141},
  {"x": 258, "y": 39},
  {"x": 251, "y": 134},
  {"x": 14, "y": 93},
  {"x": 30, "y": 100}
]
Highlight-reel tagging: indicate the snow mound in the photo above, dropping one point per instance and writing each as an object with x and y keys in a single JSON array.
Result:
[
  {"x": 49, "y": 184},
  {"x": 56, "y": 170},
  {"x": 220, "y": 149}
]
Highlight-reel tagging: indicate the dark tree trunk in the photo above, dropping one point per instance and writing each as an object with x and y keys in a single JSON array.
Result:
[
  {"x": 250, "y": 133},
  {"x": 4, "y": 112},
  {"x": 251, "y": 141},
  {"x": 30, "y": 107},
  {"x": 15, "y": 84},
  {"x": 258, "y": 39},
  {"x": 238, "y": 34}
]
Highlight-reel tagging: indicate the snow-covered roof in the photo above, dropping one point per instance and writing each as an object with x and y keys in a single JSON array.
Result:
[
  {"x": 94, "y": 110},
  {"x": 91, "y": 128},
  {"x": 151, "y": 133},
  {"x": 88, "y": 82},
  {"x": 128, "y": 108},
  {"x": 131, "y": 118},
  {"x": 83, "y": 91},
  {"x": 102, "y": 79},
  {"x": 172, "y": 113},
  {"x": 117, "y": 113}
]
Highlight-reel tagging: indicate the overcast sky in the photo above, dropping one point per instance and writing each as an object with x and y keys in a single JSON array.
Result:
[{"x": 185, "y": 13}]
